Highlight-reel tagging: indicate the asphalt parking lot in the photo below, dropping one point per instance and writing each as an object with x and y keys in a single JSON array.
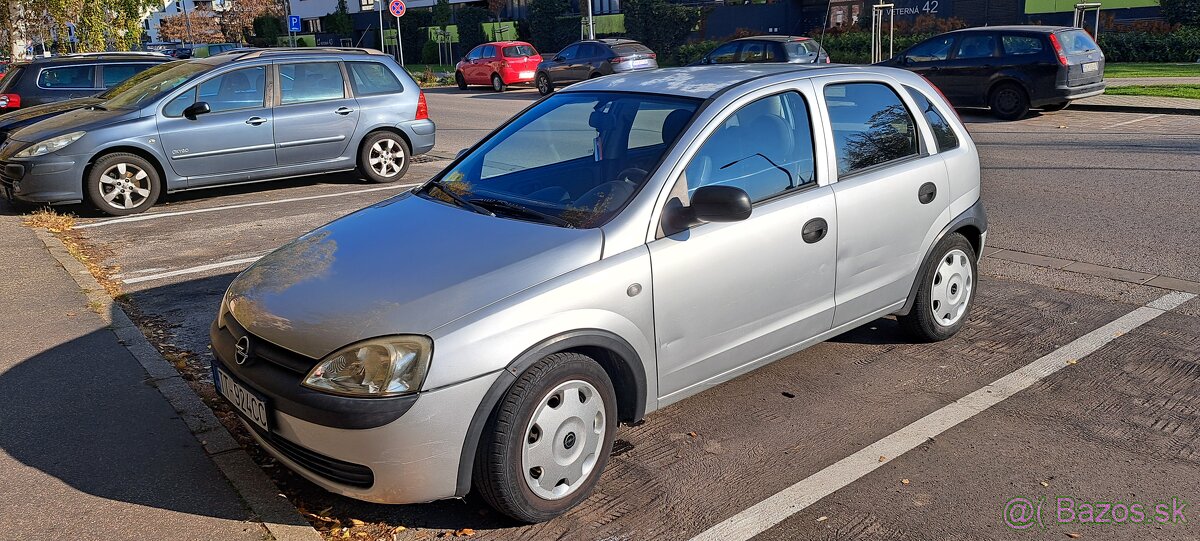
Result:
[{"x": 1093, "y": 215}]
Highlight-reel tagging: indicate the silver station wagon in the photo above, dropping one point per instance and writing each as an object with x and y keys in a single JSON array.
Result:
[{"x": 616, "y": 247}]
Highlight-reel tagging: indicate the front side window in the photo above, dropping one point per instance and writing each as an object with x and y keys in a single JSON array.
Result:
[
  {"x": 588, "y": 162},
  {"x": 570, "y": 52},
  {"x": 765, "y": 148},
  {"x": 115, "y": 73},
  {"x": 1021, "y": 45},
  {"x": 68, "y": 77},
  {"x": 931, "y": 51},
  {"x": 976, "y": 46},
  {"x": 871, "y": 126},
  {"x": 238, "y": 89},
  {"x": 942, "y": 132},
  {"x": 309, "y": 82},
  {"x": 370, "y": 78},
  {"x": 725, "y": 54}
]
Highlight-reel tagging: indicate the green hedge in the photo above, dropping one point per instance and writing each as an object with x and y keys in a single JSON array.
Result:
[
  {"x": 1181, "y": 45},
  {"x": 855, "y": 47}
]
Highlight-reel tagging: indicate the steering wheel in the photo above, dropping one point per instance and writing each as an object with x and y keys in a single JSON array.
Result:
[{"x": 626, "y": 175}]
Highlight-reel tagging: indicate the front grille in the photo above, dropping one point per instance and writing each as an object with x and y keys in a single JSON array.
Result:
[
  {"x": 262, "y": 349},
  {"x": 338, "y": 471}
]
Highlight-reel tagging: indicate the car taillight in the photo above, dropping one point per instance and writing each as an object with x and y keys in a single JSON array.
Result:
[
  {"x": 943, "y": 96},
  {"x": 616, "y": 59},
  {"x": 422, "y": 107},
  {"x": 1058, "y": 50},
  {"x": 653, "y": 55},
  {"x": 10, "y": 101},
  {"x": 827, "y": 60}
]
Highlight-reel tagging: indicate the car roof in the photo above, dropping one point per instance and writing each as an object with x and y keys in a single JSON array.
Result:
[
  {"x": 774, "y": 37},
  {"x": 288, "y": 52},
  {"x": 706, "y": 81},
  {"x": 84, "y": 58},
  {"x": 1016, "y": 28}
]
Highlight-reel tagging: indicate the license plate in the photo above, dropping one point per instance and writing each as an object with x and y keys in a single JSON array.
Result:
[
  {"x": 246, "y": 402},
  {"x": 526, "y": 74},
  {"x": 641, "y": 63},
  {"x": 1091, "y": 66}
]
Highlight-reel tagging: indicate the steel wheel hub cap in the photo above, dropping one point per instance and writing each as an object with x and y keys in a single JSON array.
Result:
[
  {"x": 953, "y": 283},
  {"x": 124, "y": 186},
  {"x": 386, "y": 158},
  {"x": 563, "y": 440}
]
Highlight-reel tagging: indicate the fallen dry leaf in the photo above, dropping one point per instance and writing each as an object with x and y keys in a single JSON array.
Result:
[
  {"x": 1045, "y": 484},
  {"x": 357, "y": 522},
  {"x": 1074, "y": 535},
  {"x": 399, "y": 529},
  {"x": 692, "y": 434},
  {"x": 882, "y": 458},
  {"x": 1072, "y": 361},
  {"x": 465, "y": 532},
  {"x": 904, "y": 481},
  {"x": 822, "y": 518}
]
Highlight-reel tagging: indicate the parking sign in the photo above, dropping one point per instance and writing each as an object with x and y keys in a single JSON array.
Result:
[
  {"x": 293, "y": 23},
  {"x": 397, "y": 8}
]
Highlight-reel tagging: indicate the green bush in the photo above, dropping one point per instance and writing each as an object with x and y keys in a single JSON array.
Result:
[
  {"x": 429, "y": 52},
  {"x": 470, "y": 27},
  {"x": 1181, "y": 45},
  {"x": 693, "y": 51},
  {"x": 660, "y": 25},
  {"x": 550, "y": 29}
]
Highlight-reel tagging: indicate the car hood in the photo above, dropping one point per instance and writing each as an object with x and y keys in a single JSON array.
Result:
[
  {"x": 77, "y": 119},
  {"x": 404, "y": 266}
]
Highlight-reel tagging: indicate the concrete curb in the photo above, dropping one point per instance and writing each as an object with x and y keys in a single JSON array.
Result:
[
  {"x": 1134, "y": 109},
  {"x": 280, "y": 518}
]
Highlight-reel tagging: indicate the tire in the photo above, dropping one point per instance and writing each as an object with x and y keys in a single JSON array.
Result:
[
  {"x": 544, "y": 85},
  {"x": 1050, "y": 108},
  {"x": 946, "y": 293},
  {"x": 1009, "y": 102},
  {"x": 120, "y": 184},
  {"x": 462, "y": 81},
  {"x": 384, "y": 147},
  {"x": 595, "y": 75},
  {"x": 498, "y": 83},
  {"x": 509, "y": 476}
]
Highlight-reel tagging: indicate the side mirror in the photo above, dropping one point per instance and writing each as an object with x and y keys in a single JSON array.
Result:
[
  {"x": 557, "y": 58},
  {"x": 710, "y": 204},
  {"x": 196, "y": 109}
]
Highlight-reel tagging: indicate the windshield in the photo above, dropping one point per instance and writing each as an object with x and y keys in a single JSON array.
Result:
[
  {"x": 152, "y": 83},
  {"x": 577, "y": 157}
]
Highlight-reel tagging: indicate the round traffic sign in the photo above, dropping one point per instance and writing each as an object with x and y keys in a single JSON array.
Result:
[{"x": 397, "y": 8}]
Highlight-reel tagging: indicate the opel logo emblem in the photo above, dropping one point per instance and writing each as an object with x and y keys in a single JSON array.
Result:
[{"x": 241, "y": 350}]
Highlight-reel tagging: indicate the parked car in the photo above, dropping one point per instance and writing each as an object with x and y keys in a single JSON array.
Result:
[
  {"x": 675, "y": 229},
  {"x": 754, "y": 49},
  {"x": 1010, "y": 68},
  {"x": 498, "y": 64},
  {"x": 57, "y": 78},
  {"x": 589, "y": 59},
  {"x": 211, "y": 121}
]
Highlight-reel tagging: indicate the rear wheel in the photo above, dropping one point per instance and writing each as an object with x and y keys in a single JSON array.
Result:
[
  {"x": 498, "y": 83},
  {"x": 946, "y": 292},
  {"x": 1009, "y": 102},
  {"x": 544, "y": 85},
  {"x": 383, "y": 157},
  {"x": 462, "y": 82},
  {"x": 1050, "y": 108},
  {"x": 546, "y": 444},
  {"x": 121, "y": 183}
]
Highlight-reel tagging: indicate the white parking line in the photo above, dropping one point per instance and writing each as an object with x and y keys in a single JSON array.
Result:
[
  {"x": 773, "y": 510},
  {"x": 155, "y": 216},
  {"x": 191, "y": 270},
  {"x": 1131, "y": 121}
]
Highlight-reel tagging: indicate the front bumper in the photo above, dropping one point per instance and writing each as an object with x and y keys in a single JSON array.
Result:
[
  {"x": 413, "y": 458},
  {"x": 49, "y": 179}
]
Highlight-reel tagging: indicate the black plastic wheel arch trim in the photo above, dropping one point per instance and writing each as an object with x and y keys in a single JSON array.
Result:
[
  {"x": 629, "y": 364},
  {"x": 974, "y": 216}
]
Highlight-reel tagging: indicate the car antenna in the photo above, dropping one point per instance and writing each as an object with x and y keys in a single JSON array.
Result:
[{"x": 821, "y": 42}]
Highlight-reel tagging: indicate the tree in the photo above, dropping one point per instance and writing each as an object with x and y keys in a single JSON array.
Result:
[
  {"x": 545, "y": 24},
  {"x": 442, "y": 14},
  {"x": 339, "y": 22},
  {"x": 203, "y": 27},
  {"x": 267, "y": 29},
  {"x": 494, "y": 7},
  {"x": 661, "y": 25},
  {"x": 1186, "y": 12},
  {"x": 237, "y": 18},
  {"x": 470, "y": 27}
]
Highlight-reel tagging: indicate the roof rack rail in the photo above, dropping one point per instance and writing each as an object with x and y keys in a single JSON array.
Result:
[
  {"x": 273, "y": 51},
  {"x": 115, "y": 53}
]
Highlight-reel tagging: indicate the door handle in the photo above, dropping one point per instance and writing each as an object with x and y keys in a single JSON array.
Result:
[
  {"x": 344, "y": 111},
  {"x": 926, "y": 193},
  {"x": 814, "y": 230},
  {"x": 256, "y": 120}
]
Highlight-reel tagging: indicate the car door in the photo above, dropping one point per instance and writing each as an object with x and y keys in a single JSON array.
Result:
[
  {"x": 235, "y": 136},
  {"x": 928, "y": 58},
  {"x": 560, "y": 65},
  {"x": 586, "y": 61},
  {"x": 727, "y": 296},
  {"x": 967, "y": 75},
  {"x": 471, "y": 70},
  {"x": 892, "y": 193},
  {"x": 315, "y": 116}
]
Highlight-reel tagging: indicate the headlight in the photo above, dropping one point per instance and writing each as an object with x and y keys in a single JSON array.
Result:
[
  {"x": 49, "y": 145},
  {"x": 388, "y": 366}
]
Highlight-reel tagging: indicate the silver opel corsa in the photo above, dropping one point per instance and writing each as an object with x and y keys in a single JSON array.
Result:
[{"x": 614, "y": 248}]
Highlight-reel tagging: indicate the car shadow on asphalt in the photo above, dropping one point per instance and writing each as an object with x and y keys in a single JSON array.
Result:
[
  {"x": 484, "y": 93},
  {"x": 882, "y": 331}
]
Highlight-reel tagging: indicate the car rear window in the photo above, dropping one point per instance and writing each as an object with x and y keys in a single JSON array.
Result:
[
  {"x": 68, "y": 77},
  {"x": 1019, "y": 45},
  {"x": 942, "y": 132},
  {"x": 10, "y": 78},
  {"x": 1076, "y": 41},
  {"x": 517, "y": 51},
  {"x": 631, "y": 48}
]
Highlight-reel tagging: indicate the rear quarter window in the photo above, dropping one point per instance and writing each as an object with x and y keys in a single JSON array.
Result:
[
  {"x": 371, "y": 78},
  {"x": 1021, "y": 45},
  {"x": 942, "y": 132}
]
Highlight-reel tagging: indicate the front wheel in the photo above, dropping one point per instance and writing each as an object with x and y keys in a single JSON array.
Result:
[
  {"x": 120, "y": 184},
  {"x": 946, "y": 292},
  {"x": 544, "y": 85},
  {"x": 498, "y": 83},
  {"x": 383, "y": 157},
  {"x": 462, "y": 81},
  {"x": 545, "y": 445}
]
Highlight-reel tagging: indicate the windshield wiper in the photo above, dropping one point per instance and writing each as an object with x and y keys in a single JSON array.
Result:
[
  {"x": 522, "y": 209},
  {"x": 462, "y": 202}
]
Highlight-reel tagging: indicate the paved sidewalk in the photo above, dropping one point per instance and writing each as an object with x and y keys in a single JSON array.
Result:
[
  {"x": 89, "y": 448},
  {"x": 1148, "y": 104},
  {"x": 1151, "y": 81}
]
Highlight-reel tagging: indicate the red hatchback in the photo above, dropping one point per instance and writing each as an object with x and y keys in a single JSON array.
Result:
[{"x": 499, "y": 64}]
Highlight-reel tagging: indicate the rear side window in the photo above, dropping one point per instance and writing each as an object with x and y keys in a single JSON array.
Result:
[
  {"x": 1076, "y": 41},
  {"x": 68, "y": 77},
  {"x": 370, "y": 78},
  {"x": 631, "y": 48},
  {"x": 757, "y": 51},
  {"x": 1021, "y": 45},
  {"x": 489, "y": 51},
  {"x": 310, "y": 81},
  {"x": 976, "y": 46},
  {"x": 115, "y": 73},
  {"x": 871, "y": 126},
  {"x": 942, "y": 132},
  {"x": 518, "y": 51}
]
